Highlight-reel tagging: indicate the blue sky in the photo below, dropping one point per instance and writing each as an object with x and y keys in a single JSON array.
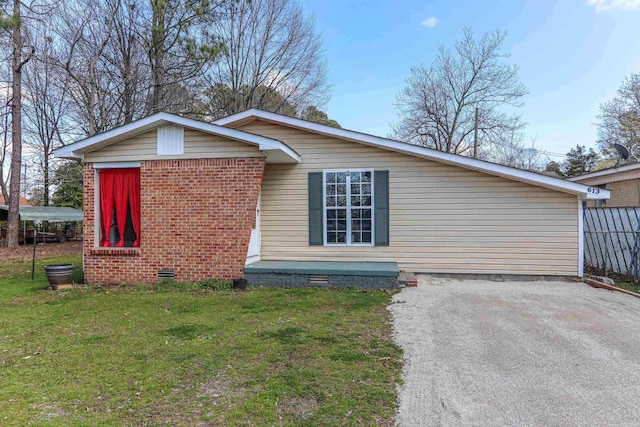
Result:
[{"x": 571, "y": 54}]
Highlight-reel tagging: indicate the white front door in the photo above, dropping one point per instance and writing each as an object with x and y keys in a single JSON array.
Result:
[{"x": 254, "y": 242}]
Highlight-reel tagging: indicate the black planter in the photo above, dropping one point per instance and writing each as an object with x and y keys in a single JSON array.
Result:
[
  {"x": 58, "y": 274},
  {"x": 240, "y": 283}
]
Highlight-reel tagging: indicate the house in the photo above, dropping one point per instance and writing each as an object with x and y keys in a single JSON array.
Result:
[
  {"x": 23, "y": 201},
  {"x": 623, "y": 181},
  {"x": 286, "y": 201}
]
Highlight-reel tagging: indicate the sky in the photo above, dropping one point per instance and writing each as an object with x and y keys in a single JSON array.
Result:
[{"x": 572, "y": 55}]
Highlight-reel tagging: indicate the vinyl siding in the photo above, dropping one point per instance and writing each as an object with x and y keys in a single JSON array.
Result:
[
  {"x": 443, "y": 218},
  {"x": 197, "y": 145}
]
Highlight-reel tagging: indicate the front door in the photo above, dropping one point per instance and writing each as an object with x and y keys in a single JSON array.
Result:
[{"x": 254, "y": 242}]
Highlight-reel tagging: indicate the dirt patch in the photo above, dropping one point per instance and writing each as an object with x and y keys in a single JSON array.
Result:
[{"x": 43, "y": 250}]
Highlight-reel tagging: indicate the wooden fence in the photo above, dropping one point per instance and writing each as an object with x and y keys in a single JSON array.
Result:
[{"x": 612, "y": 241}]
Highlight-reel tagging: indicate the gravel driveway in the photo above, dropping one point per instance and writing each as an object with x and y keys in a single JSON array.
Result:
[{"x": 517, "y": 353}]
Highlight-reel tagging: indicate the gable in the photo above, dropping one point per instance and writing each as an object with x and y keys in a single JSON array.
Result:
[{"x": 196, "y": 145}]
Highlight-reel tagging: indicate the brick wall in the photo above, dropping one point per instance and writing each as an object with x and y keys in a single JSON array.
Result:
[{"x": 196, "y": 219}]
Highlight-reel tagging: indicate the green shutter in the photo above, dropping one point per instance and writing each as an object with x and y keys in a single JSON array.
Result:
[
  {"x": 316, "y": 228},
  {"x": 381, "y": 207}
]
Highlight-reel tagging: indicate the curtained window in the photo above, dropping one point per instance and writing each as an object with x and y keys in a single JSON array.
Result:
[{"x": 120, "y": 207}]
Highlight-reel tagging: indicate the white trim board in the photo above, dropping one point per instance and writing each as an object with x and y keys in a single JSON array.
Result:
[
  {"x": 277, "y": 151},
  {"x": 427, "y": 153}
]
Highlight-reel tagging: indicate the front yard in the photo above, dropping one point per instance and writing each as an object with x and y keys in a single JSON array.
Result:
[{"x": 184, "y": 355}]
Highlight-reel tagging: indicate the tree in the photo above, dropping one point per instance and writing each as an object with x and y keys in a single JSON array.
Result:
[
  {"x": 67, "y": 181},
  {"x": 312, "y": 114},
  {"x": 272, "y": 59},
  {"x": 12, "y": 21},
  {"x": 620, "y": 118},
  {"x": 516, "y": 154},
  {"x": 580, "y": 161},
  {"x": 553, "y": 166},
  {"x": 438, "y": 105}
]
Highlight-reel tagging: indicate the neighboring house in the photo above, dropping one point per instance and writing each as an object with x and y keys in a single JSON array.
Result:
[
  {"x": 195, "y": 200},
  {"x": 23, "y": 201},
  {"x": 623, "y": 181}
]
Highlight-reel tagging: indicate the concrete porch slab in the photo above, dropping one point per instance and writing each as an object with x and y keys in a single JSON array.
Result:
[{"x": 340, "y": 268}]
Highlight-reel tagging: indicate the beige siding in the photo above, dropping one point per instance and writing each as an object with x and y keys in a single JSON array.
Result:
[
  {"x": 197, "y": 145},
  {"x": 442, "y": 218}
]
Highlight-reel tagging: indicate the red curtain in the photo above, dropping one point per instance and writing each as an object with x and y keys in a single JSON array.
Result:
[
  {"x": 106, "y": 204},
  {"x": 119, "y": 188},
  {"x": 133, "y": 182}
]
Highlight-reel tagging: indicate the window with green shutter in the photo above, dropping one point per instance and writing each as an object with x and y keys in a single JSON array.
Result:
[{"x": 349, "y": 208}]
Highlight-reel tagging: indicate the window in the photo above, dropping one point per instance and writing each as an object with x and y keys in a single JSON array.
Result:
[
  {"x": 120, "y": 207},
  {"x": 348, "y": 207}
]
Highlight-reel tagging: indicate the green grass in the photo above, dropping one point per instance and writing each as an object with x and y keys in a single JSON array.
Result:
[
  {"x": 629, "y": 286},
  {"x": 174, "y": 354}
]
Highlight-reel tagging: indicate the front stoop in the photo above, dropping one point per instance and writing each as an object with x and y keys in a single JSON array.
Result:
[
  {"x": 323, "y": 274},
  {"x": 408, "y": 280}
]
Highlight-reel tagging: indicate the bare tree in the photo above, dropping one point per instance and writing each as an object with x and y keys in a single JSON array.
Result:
[
  {"x": 438, "y": 105},
  {"x": 46, "y": 107},
  {"x": 516, "y": 154},
  {"x": 272, "y": 59},
  {"x": 620, "y": 118}
]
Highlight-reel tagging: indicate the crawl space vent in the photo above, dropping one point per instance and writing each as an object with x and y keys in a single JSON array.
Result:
[
  {"x": 165, "y": 275},
  {"x": 318, "y": 279}
]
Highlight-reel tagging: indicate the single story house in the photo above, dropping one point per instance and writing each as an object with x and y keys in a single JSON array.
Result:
[
  {"x": 623, "y": 181},
  {"x": 258, "y": 192}
]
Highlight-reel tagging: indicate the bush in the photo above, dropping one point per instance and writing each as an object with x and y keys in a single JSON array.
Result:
[
  {"x": 77, "y": 276},
  {"x": 216, "y": 284}
]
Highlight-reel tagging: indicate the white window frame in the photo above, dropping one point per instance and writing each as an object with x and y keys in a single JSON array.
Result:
[
  {"x": 97, "y": 224},
  {"x": 348, "y": 207}
]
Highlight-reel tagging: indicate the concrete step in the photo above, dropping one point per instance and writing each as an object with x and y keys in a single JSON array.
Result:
[{"x": 407, "y": 279}]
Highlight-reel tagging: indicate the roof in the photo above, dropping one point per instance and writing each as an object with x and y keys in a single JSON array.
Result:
[
  {"x": 627, "y": 167},
  {"x": 23, "y": 201},
  {"x": 277, "y": 151},
  {"x": 44, "y": 213},
  {"x": 495, "y": 169}
]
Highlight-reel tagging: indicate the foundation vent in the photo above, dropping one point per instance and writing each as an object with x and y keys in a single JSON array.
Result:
[
  {"x": 318, "y": 279},
  {"x": 165, "y": 275}
]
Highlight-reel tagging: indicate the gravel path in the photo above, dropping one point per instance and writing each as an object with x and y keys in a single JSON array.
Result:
[{"x": 517, "y": 353}]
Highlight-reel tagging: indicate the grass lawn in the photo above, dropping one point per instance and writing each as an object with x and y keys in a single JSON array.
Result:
[
  {"x": 630, "y": 286},
  {"x": 181, "y": 355}
]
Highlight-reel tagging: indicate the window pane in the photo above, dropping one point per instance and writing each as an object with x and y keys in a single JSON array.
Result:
[
  {"x": 342, "y": 200},
  {"x": 355, "y": 213},
  {"x": 366, "y": 200},
  {"x": 341, "y": 213},
  {"x": 355, "y": 225},
  {"x": 366, "y": 188},
  {"x": 331, "y": 200},
  {"x": 355, "y": 200},
  {"x": 341, "y": 189},
  {"x": 342, "y": 237},
  {"x": 331, "y": 225},
  {"x": 366, "y": 224},
  {"x": 355, "y": 238},
  {"x": 331, "y": 214},
  {"x": 342, "y": 177},
  {"x": 355, "y": 177},
  {"x": 355, "y": 189},
  {"x": 365, "y": 177},
  {"x": 366, "y": 213},
  {"x": 332, "y": 237},
  {"x": 342, "y": 224},
  {"x": 331, "y": 177},
  {"x": 331, "y": 189},
  {"x": 366, "y": 237}
]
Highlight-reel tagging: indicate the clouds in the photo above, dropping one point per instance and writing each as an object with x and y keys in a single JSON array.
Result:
[
  {"x": 602, "y": 5},
  {"x": 433, "y": 21}
]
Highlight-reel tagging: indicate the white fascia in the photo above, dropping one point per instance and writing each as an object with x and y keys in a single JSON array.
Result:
[{"x": 581, "y": 190}]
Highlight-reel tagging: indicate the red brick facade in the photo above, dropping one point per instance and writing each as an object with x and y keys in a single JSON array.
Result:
[{"x": 195, "y": 219}]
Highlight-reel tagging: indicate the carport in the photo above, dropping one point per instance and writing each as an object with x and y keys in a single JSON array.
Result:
[{"x": 41, "y": 213}]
